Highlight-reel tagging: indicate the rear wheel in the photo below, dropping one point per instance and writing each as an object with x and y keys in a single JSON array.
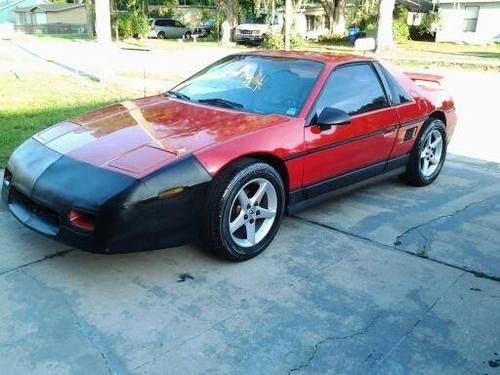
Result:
[
  {"x": 187, "y": 35},
  {"x": 244, "y": 210},
  {"x": 428, "y": 155}
]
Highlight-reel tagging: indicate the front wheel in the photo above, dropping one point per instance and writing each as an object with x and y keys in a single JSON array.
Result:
[
  {"x": 161, "y": 35},
  {"x": 428, "y": 155},
  {"x": 244, "y": 210}
]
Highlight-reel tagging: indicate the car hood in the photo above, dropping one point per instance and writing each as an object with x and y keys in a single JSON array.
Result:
[
  {"x": 137, "y": 137},
  {"x": 252, "y": 26}
]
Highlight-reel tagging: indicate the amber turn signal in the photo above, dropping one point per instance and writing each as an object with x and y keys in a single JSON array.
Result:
[{"x": 170, "y": 192}]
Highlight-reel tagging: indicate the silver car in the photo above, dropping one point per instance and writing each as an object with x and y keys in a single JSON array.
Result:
[{"x": 163, "y": 28}]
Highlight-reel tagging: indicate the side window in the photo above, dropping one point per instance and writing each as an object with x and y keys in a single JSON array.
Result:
[
  {"x": 354, "y": 89},
  {"x": 178, "y": 24},
  {"x": 396, "y": 93}
]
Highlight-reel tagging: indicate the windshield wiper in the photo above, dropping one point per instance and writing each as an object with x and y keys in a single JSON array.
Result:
[
  {"x": 222, "y": 103},
  {"x": 178, "y": 95}
]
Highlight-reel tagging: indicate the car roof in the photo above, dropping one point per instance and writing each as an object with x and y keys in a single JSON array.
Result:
[{"x": 324, "y": 57}]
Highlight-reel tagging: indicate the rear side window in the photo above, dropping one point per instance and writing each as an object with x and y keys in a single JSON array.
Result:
[
  {"x": 396, "y": 93},
  {"x": 354, "y": 89}
]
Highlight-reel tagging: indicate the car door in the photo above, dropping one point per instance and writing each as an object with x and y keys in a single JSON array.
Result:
[{"x": 362, "y": 146}]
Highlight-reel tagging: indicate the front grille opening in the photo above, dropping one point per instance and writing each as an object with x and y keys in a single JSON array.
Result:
[{"x": 43, "y": 213}]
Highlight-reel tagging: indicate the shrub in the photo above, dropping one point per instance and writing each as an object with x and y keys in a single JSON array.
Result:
[
  {"x": 124, "y": 26},
  {"x": 277, "y": 41},
  {"x": 134, "y": 24},
  {"x": 274, "y": 41},
  {"x": 401, "y": 31},
  {"x": 297, "y": 42},
  {"x": 139, "y": 24},
  {"x": 332, "y": 38}
]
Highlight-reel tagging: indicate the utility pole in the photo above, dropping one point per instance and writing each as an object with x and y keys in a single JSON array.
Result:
[
  {"x": 288, "y": 23},
  {"x": 103, "y": 21}
]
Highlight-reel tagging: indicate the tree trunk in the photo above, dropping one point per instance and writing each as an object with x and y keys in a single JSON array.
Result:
[
  {"x": 288, "y": 23},
  {"x": 384, "y": 26},
  {"x": 103, "y": 21},
  {"x": 339, "y": 17}
]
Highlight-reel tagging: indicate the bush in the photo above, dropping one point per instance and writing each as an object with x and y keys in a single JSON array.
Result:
[
  {"x": 277, "y": 41},
  {"x": 124, "y": 26},
  {"x": 332, "y": 38},
  {"x": 274, "y": 41},
  {"x": 297, "y": 42},
  {"x": 140, "y": 24},
  {"x": 134, "y": 24},
  {"x": 401, "y": 31}
]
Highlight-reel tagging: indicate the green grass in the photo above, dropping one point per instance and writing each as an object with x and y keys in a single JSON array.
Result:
[
  {"x": 463, "y": 56},
  {"x": 39, "y": 100}
]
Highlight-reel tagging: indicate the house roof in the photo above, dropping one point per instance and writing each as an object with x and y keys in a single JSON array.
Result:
[{"x": 50, "y": 7}]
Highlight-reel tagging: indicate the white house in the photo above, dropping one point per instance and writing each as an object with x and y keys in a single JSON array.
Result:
[{"x": 471, "y": 21}]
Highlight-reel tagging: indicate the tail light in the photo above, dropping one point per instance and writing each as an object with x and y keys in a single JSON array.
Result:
[{"x": 82, "y": 220}]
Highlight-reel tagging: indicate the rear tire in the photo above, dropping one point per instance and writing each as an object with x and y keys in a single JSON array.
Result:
[
  {"x": 187, "y": 35},
  {"x": 244, "y": 210},
  {"x": 428, "y": 154}
]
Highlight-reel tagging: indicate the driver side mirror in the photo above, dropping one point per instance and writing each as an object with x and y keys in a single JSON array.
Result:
[{"x": 332, "y": 116}]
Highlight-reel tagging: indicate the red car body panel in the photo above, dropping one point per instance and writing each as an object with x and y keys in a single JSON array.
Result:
[{"x": 138, "y": 137}]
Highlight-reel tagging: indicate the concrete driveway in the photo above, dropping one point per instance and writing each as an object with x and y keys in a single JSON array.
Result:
[{"x": 389, "y": 279}]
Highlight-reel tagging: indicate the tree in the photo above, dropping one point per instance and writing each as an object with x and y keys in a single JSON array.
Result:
[
  {"x": 384, "y": 25},
  {"x": 335, "y": 11}
]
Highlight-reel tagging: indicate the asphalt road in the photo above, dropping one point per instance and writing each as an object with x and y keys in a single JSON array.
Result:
[{"x": 388, "y": 279}]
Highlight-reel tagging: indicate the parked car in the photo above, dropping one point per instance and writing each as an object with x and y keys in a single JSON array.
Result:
[
  {"x": 167, "y": 28},
  {"x": 204, "y": 30},
  {"x": 227, "y": 152},
  {"x": 254, "y": 30}
]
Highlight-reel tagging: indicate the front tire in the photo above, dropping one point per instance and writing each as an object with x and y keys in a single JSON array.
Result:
[
  {"x": 428, "y": 155},
  {"x": 161, "y": 35},
  {"x": 244, "y": 210}
]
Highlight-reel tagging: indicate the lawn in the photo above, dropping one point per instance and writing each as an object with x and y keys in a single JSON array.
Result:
[
  {"x": 38, "y": 100},
  {"x": 430, "y": 53}
]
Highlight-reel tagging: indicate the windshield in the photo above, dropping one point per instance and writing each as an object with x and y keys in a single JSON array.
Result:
[{"x": 256, "y": 84}]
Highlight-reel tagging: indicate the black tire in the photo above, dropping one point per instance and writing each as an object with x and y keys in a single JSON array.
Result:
[
  {"x": 161, "y": 35},
  {"x": 414, "y": 174},
  {"x": 187, "y": 35},
  {"x": 222, "y": 193}
]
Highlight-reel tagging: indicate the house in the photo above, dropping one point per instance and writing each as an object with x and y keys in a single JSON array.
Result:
[
  {"x": 52, "y": 18},
  {"x": 470, "y": 21},
  {"x": 8, "y": 7}
]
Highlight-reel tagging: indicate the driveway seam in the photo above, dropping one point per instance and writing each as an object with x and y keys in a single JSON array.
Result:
[
  {"x": 393, "y": 248},
  {"x": 47, "y": 257}
]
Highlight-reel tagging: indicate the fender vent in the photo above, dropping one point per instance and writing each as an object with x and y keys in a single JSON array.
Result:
[{"x": 409, "y": 133}]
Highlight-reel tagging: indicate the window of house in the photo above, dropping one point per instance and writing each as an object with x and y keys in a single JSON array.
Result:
[
  {"x": 327, "y": 22},
  {"x": 470, "y": 19},
  {"x": 354, "y": 89}
]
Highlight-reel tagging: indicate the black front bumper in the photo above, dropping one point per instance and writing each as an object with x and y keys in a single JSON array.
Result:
[{"x": 45, "y": 186}]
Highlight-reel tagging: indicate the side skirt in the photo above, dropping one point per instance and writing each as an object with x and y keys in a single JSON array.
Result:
[{"x": 324, "y": 190}]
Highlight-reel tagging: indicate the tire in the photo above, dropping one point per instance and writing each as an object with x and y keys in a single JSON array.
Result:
[
  {"x": 433, "y": 133},
  {"x": 225, "y": 209},
  {"x": 161, "y": 35},
  {"x": 187, "y": 35}
]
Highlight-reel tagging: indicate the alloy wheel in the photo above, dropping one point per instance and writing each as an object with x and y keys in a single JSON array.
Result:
[
  {"x": 253, "y": 212},
  {"x": 430, "y": 157}
]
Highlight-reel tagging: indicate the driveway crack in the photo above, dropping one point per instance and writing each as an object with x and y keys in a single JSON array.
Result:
[
  {"x": 409, "y": 332},
  {"x": 397, "y": 242},
  {"x": 317, "y": 346}
]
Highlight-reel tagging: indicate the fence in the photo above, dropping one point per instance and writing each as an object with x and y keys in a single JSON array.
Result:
[{"x": 52, "y": 28}]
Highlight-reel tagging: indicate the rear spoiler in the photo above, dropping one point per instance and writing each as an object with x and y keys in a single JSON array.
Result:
[{"x": 432, "y": 81}]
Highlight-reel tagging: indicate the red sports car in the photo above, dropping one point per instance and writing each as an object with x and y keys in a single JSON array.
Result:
[{"x": 226, "y": 153}]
